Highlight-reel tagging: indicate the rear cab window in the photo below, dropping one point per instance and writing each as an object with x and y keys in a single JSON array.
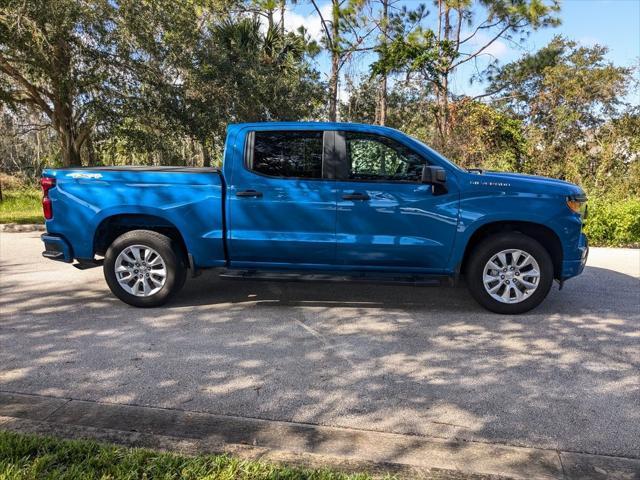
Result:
[{"x": 286, "y": 154}]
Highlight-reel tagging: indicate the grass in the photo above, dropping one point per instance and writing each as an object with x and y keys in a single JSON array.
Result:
[
  {"x": 29, "y": 457},
  {"x": 21, "y": 206}
]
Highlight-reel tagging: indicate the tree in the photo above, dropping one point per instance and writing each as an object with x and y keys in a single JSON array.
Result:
[
  {"x": 161, "y": 43},
  {"x": 566, "y": 94},
  {"x": 381, "y": 109},
  {"x": 344, "y": 34},
  {"x": 615, "y": 156},
  {"x": 480, "y": 136},
  {"x": 437, "y": 51},
  {"x": 407, "y": 105},
  {"x": 198, "y": 67},
  {"x": 25, "y": 147},
  {"x": 382, "y": 16},
  {"x": 247, "y": 74},
  {"x": 53, "y": 61}
]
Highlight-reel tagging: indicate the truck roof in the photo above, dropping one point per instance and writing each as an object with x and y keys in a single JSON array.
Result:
[
  {"x": 314, "y": 126},
  {"x": 358, "y": 127}
]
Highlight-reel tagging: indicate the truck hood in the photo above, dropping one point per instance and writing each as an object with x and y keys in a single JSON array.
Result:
[{"x": 525, "y": 183}]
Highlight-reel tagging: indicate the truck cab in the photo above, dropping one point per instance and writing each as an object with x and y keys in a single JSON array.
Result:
[
  {"x": 352, "y": 199},
  {"x": 337, "y": 199}
]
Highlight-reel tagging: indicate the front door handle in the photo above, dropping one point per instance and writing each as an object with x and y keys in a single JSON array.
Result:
[
  {"x": 356, "y": 196},
  {"x": 248, "y": 193}
]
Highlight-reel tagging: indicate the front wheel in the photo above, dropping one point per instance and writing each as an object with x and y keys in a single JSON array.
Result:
[
  {"x": 144, "y": 268},
  {"x": 510, "y": 273}
]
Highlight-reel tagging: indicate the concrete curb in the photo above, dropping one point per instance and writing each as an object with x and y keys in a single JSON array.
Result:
[
  {"x": 18, "y": 227},
  {"x": 185, "y": 446},
  {"x": 301, "y": 444}
]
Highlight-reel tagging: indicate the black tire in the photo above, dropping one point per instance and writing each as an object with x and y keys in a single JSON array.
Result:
[
  {"x": 176, "y": 270},
  {"x": 492, "y": 246}
]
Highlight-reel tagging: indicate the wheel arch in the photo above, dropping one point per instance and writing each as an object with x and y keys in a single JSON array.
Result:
[
  {"x": 115, "y": 225},
  {"x": 539, "y": 232}
]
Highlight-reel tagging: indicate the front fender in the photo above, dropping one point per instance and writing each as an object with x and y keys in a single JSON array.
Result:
[{"x": 478, "y": 211}]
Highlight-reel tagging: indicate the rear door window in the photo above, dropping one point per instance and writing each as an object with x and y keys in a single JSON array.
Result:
[{"x": 291, "y": 154}]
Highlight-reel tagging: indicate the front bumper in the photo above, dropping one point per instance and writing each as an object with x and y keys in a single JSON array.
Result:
[
  {"x": 571, "y": 268},
  {"x": 56, "y": 248}
]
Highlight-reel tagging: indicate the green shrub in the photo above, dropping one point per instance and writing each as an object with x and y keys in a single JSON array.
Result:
[{"x": 613, "y": 222}]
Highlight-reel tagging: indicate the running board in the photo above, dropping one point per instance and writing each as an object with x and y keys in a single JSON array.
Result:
[
  {"x": 377, "y": 278},
  {"x": 87, "y": 265}
]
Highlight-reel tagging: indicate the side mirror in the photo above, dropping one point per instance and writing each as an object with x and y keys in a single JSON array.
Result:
[{"x": 432, "y": 175}]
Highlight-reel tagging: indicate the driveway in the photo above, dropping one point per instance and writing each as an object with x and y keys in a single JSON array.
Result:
[{"x": 411, "y": 360}]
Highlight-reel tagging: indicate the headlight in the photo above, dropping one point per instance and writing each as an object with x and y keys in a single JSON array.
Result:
[{"x": 578, "y": 204}]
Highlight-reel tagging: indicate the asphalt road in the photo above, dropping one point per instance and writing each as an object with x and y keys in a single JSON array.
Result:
[{"x": 413, "y": 360}]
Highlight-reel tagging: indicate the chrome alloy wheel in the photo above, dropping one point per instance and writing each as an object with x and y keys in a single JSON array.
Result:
[
  {"x": 140, "y": 270},
  {"x": 511, "y": 276}
]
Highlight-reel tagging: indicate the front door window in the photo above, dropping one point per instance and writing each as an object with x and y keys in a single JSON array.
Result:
[{"x": 376, "y": 158}]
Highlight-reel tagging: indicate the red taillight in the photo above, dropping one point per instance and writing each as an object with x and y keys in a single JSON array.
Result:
[
  {"x": 46, "y": 208},
  {"x": 47, "y": 184}
]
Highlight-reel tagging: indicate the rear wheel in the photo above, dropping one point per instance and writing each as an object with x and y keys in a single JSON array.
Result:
[
  {"x": 144, "y": 268},
  {"x": 510, "y": 273}
]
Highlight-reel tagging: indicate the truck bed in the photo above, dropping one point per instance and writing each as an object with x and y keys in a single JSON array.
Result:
[
  {"x": 144, "y": 168},
  {"x": 89, "y": 201}
]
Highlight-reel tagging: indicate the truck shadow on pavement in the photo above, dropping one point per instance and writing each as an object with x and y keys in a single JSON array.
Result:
[
  {"x": 411, "y": 360},
  {"x": 596, "y": 290}
]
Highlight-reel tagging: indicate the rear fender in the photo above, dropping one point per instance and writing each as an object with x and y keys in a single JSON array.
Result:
[{"x": 201, "y": 245}]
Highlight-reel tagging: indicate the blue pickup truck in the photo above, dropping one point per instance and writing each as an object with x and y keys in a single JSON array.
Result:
[{"x": 319, "y": 201}]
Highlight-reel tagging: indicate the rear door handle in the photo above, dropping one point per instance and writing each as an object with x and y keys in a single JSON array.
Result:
[
  {"x": 248, "y": 193},
  {"x": 356, "y": 196}
]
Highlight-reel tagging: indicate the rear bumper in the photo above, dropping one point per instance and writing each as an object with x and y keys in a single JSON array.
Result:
[
  {"x": 571, "y": 268},
  {"x": 56, "y": 248}
]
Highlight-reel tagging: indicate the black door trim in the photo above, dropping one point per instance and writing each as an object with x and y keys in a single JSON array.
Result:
[
  {"x": 328, "y": 155},
  {"x": 342, "y": 166}
]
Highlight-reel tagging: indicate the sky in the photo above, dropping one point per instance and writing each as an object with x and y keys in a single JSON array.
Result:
[{"x": 613, "y": 23}]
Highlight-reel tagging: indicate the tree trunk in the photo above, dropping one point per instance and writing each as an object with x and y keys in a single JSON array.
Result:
[
  {"x": 91, "y": 152},
  {"x": 206, "y": 155},
  {"x": 335, "y": 61},
  {"x": 70, "y": 133},
  {"x": 71, "y": 157},
  {"x": 382, "y": 98},
  {"x": 38, "y": 152},
  {"x": 442, "y": 88},
  {"x": 444, "y": 106},
  {"x": 191, "y": 149},
  {"x": 63, "y": 118},
  {"x": 333, "y": 88},
  {"x": 283, "y": 6},
  {"x": 70, "y": 153},
  {"x": 270, "y": 18},
  {"x": 382, "y": 103},
  {"x": 445, "y": 77}
]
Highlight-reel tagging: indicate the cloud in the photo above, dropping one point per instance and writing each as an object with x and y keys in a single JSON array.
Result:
[
  {"x": 343, "y": 93},
  {"x": 588, "y": 41},
  {"x": 311, "y": 21},
  {"x": 497, "y": 49}
]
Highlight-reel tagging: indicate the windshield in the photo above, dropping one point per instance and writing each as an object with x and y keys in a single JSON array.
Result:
[{"x": 439, "y": 156}]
